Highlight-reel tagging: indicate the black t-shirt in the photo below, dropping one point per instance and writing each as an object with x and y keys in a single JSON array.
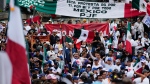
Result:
[
  {"x": 147, "y": 68},
  {"x": 37, "y": 45},
  {"x": 95, "y": 43},
  {"x": 31, "y": 31},
  {"x": 53, "y": 39},
  {"x": 39, "y": 57}
]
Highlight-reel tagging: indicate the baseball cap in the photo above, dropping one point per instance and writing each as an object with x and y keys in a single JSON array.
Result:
[
  {"x": 83, "y": 46},
  {"x": 139, "y": 36},
  {"x": 143, "y": 60},
  {"x": 70, "y": 43},
  {"x": 51, "y": 76},
  {"x": 54, "y": 30},
  {"x": 36, "y": 69},
  {"x": 96, "y": 59},
  {"x": 104, "y": 69},
  {"x": 110, "y": 70},
  {"x": 88, "y": 65},
  {"x": 134, "y": 57},
  {"x": 60, "y": 49},
  {"x": 109, "y": 59},
  {"x": 42, "y": 75},
  {"x": 117, "y": 60},
  {"x": 75, "y": 78},
  {"x": 49, "y": 61},
  {"x": 82, "y": 70},
  {"x": 50, "y": 69},
  {"x": 47, "y": 42}
]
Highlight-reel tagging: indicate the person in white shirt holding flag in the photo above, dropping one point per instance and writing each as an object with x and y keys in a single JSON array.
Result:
[{"x": 139, "y": 27}]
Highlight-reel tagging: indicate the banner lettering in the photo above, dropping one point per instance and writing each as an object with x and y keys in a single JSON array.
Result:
[{"x": 68, "y": 29}]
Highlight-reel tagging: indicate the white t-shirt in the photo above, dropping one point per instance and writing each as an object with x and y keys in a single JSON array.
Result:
[
  {"x": 139, "y": 27},
  {"x": 148, "y": 63},
  {"x": 117, "y": 67},
  {"x": 96, "y": 66},
  {"x": 82, "y": 59},
  {"x": 56, "y": 47},
  {"x": 109, "y": 66},
  {"x": 27, "y": 28},
  {"x": 129, "y": 68},
  {"x": 100, "y": 63},
  {"x": 1, "y": 28},
  {"x": 138, "y": 81},
  {"x": 51, "y": 55},
  {"x": 145, "y": 81},
  {"x": 106, "y": 81}
]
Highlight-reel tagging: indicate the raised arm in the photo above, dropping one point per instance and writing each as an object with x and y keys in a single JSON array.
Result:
[
  {"x": 141, "y": 75},
  {"x": 92, "y": 55}
]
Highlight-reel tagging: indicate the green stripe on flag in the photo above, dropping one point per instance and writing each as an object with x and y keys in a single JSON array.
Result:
[
  {"x": 110, "y": 40},
  {"x": 129, "y": 26},
  {"x": 137, "y": 61},
  {"x": 48, "y": 7},
  {"x": 68, "y": 39},
  {"x": 135, "y": 4},
  {"x": 46, "y": 11},
  {"x": 77, "y": 33}
]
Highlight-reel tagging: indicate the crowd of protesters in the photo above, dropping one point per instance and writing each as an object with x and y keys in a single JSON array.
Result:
[{"x": 99, "y": 62}]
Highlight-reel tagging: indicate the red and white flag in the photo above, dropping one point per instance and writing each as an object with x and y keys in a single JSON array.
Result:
[
  {"x": 83, "y": 35},
  {"x": 128, "y": 40},
  {"x": 16, "y": 59}
]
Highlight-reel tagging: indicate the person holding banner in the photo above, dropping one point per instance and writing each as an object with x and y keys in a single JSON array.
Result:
[{"x": 53, "y": 37}]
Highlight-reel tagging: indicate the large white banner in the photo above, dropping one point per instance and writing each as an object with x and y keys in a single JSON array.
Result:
[
  {"x": 85, "y": 9},
  {"x": 82, "y": 9}
]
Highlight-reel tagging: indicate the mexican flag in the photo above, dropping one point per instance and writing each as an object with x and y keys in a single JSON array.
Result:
[
  {"x": 139, "y": 4},
  {"x": 83, "y": 35},
  {"x": 85, "y": 9},
  {"x": 13, "y": 64},
  {"x": 137, "y": 66},
  {"x": 128, "y": 39}
]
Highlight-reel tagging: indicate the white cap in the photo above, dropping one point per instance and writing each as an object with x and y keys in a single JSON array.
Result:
[
  {"x": 117, "y": 60},
  {"x": 54, "y": 30},
  {"x": 3, "y": 22},
  {"x": 60, "y": 49},
  {"x": 70, "y": 43},
  {"x": 88, "y": 65},
  {"x": 139, "y": 36},
  {"x": 47, "y": 42},
  {"x": 143, "y": 60},
  {"x": 51, "y": 76},
  {"x": 104, "y": 69}
]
